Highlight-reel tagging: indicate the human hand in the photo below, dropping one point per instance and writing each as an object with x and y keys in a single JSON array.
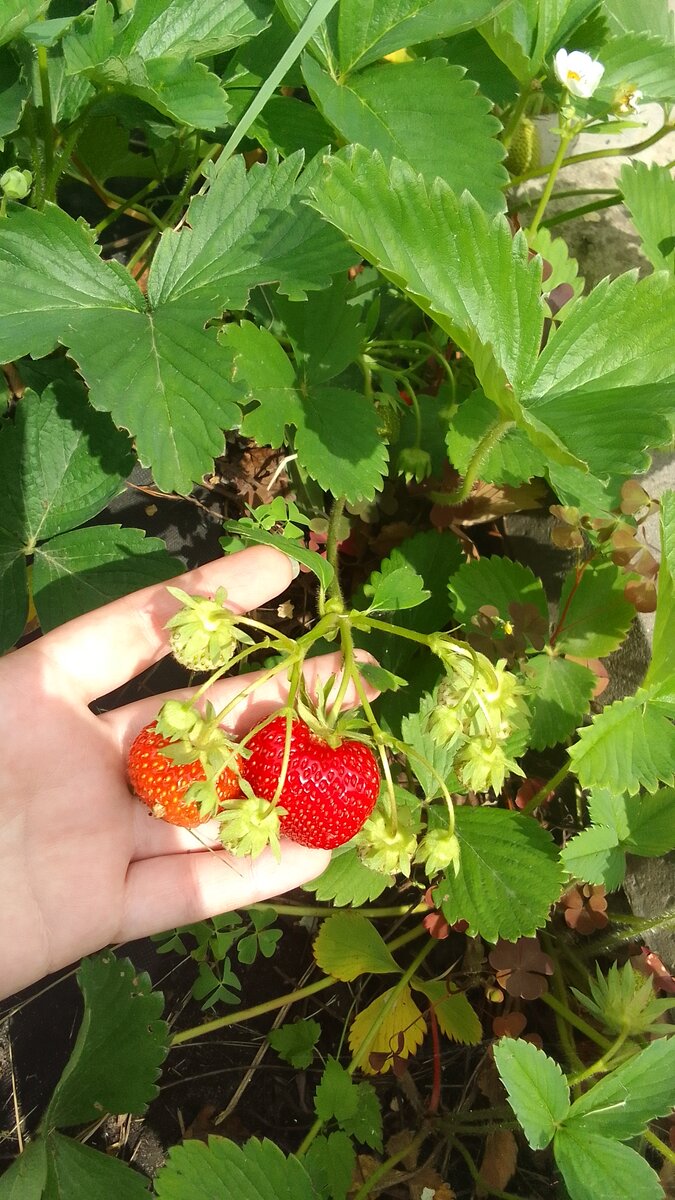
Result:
[{"x": 83, "y": 863}]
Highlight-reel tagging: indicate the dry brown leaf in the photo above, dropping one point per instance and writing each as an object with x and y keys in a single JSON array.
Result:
[
  {"x": 499, "y": 1162},
  {"x": 366, "y": 1165}
]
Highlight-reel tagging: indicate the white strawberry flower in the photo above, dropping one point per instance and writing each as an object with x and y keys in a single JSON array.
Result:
[
  {"x": 578, "y": 72},
  {"x": 629, "y": 101}
]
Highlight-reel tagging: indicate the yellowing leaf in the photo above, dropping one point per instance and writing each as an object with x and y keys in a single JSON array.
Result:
[
  {"x": 348, "y": 945},
  {"x": 400, "y": 1030},
  {"x": 456, "y": 1018}
]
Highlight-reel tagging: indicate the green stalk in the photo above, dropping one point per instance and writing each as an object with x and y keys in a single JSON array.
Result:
[
  {"x": 317, "y": 14},
  {"x": 578, "y": 1022},
  {"x": 410, "y": 1148},
  {"x": 334, "y": 589},
  {"x": 318, "y": 910},
  {"x": 489, "y": 439},
  {"x": 46, "y": 118},
  {"x": 517, "y": 113},
  {"x": 546, "y": 194},
  {"x": 543, "y": 792},
  {"x": 572, "y": 213}
]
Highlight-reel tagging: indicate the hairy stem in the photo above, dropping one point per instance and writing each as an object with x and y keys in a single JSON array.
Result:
[{"x": 546, "y": 194}]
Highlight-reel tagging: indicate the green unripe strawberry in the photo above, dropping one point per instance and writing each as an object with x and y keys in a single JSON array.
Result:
[
  {"x": 523, "y": 148},
  {"x": 203, "y": 632}
]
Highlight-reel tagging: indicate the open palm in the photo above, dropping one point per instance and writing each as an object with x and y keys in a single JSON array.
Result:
[{"x": 83, "y": 864}]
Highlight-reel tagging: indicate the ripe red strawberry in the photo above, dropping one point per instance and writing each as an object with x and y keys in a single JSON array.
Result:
[
  {"x": 328, "y": 792},
  {"x": 162, "y": 784}
]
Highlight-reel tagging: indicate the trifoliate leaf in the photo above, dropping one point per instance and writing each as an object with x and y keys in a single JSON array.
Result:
[
  {"x": 537, "y": 1089},
  {"x": 595, "y": 856},
  {"x": 622, "y": 1105},
  {"x": 346, "y": 881},
  {"x": 86, "y": 568},
  {"x": 496, "y": 581},
  {"x": 509, "y": 875},
  {"x": 255, "y": 1171},
  {"x": 595, "y": 615},
  {"x": 170, "y": 389},
  {"x": 120, "y": 1046},
  {"x": 348, "y": 945},
  {"x": 595, "y": 1167},
  {"x": 456, "y": 1018},
  {"x": 296, "y": 1042},
  {"x": 330, "y": 1162},
  {"x": 560, "y": 695},
  {"x": 400, "y": 1030},
  {"x": 649, "y": 195},
  {"x": 629, "y": 745},
  {"x": 373, "y": 109}
]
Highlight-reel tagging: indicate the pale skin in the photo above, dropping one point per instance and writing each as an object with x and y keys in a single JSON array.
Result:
[{"x": 83, "y": 863}]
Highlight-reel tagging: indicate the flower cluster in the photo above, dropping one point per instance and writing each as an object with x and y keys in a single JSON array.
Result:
[{"x": 480, "y": 707}]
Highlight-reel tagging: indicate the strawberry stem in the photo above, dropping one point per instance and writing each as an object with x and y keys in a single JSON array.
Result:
[{"x": 336, "y": 513}]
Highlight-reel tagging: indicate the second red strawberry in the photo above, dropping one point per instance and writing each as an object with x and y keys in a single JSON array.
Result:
[{"x": 328, "y": 793}]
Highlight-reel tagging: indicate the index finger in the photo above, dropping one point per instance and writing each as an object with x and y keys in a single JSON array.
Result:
[{"x": 104, "y": 648}]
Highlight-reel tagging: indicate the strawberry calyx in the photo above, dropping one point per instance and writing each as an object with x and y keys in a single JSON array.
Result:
[
  {"x": 386, "y": 848},
  {"x": 198, "y": 738},
  {"x": 439, "y": 850},
  {"x": 248, "y": 826},
  {"x": 204, "y": 635}
]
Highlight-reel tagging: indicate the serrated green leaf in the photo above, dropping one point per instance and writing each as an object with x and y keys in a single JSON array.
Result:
[
  {"x": 296, "y": 1042},
  {"x": 603, "y": 383},
  {"x": 120, "y": 1046},
  {"x": 622, "y": 1105},
  {"x": 430, "y": 759},
  {"x": 513, "y": 459},
  {"x": 610, "y": 809},
  {"x": 248, "y": 229},
  {"x": 336, "y": 1095},
  {"x": 368, "y": 32},
  {"x": 61, "y": 463},
  {"x": 86, "y": 568},
  {"x": 287, "y": 124},
  {"x": 662, "y": 665},
  {"x": 423, "y": 239},
  {"x": 537, "y": 1089},
  {"x": 456, "y": 1018},
  {"x": 649, "y": 194},
  {"x": 398, "y": 589},
  {"x": 640, "y": 16},
  {"x": 338, "y": 442},
  {"x": 194, "y": 27},
  {"x": 561, "y": 694},
  {"x": 651, "y": 821},
  {"x": 595, "y": 856},
  {"x": 77, "y": 1172},
  {"x": 347, "y": 880},
  {"x": 26, "y": 1178},
  {"x": 16, "y": 14},
  {"x": 348, "y": 945},
  {"x": 373, "y": 108},
  {"x": 379, "y": 678},
  {"x": 629, "y": 745},
  {"x": 264, "y": 375},
  {"x": 600, "y": 1168},
  {"x": 509, "y": 875},
  {"x": 325, "y": 330},
  {"x": 255, "y": 1171},
  {"x": 330, "y": 1161},
  {"x": 496, "y": 581},
  {"x": 595, "y": 615},
  {"x": 365, "y": 1123},
  {"x": 638, "y": 59},
  {"x": 563, "y": 268}
]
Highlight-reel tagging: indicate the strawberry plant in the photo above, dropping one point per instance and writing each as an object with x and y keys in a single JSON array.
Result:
[{"x": 291, "y": 271}]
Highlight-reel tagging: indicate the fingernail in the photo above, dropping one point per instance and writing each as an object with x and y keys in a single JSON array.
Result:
[{"x": 295, "y": 567}]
